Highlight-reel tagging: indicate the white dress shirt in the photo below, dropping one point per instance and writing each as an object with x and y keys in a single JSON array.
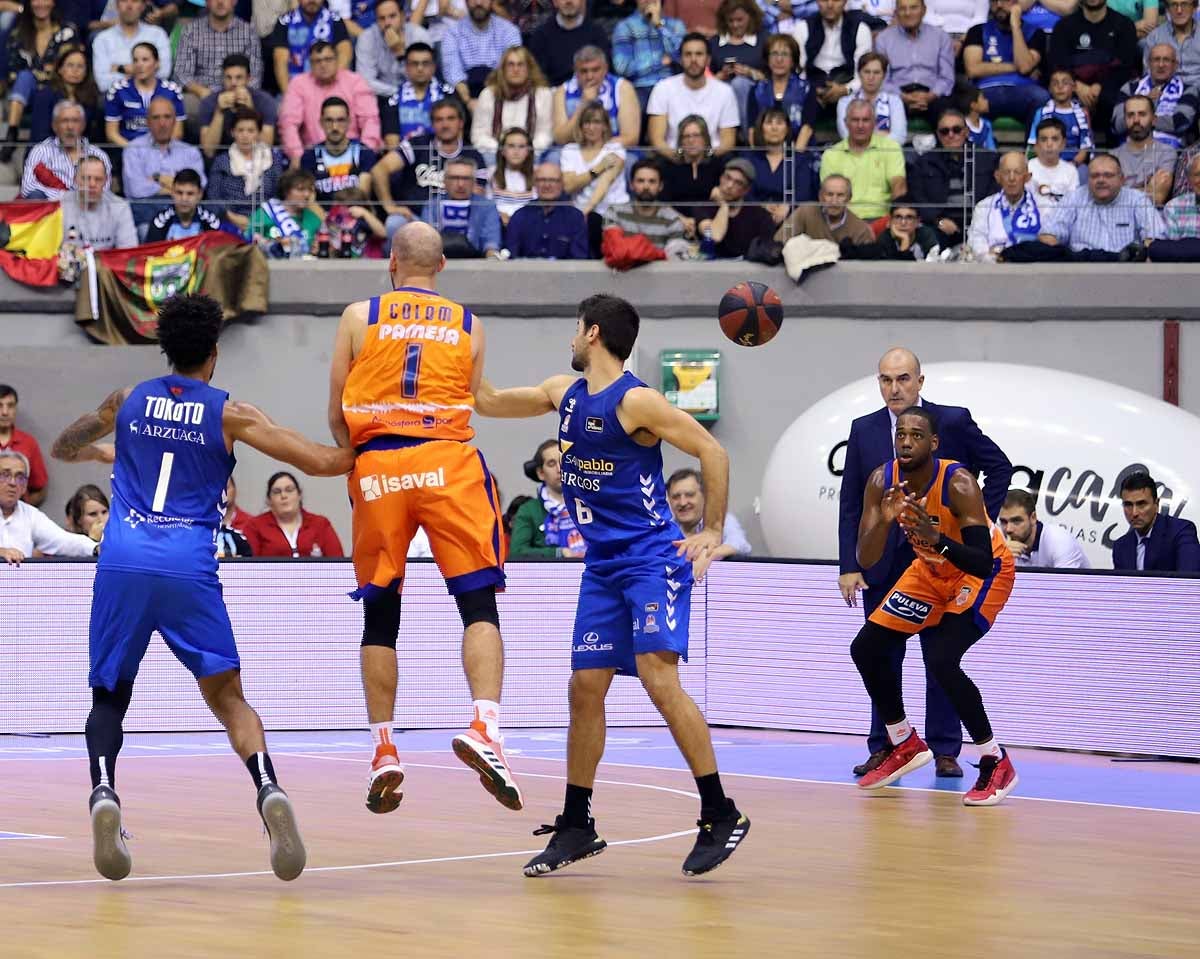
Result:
[
  {"x": 1054, "y": 548},
  {"x": 27, "y": 528}
]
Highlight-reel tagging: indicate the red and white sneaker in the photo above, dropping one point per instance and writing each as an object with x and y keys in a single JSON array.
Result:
[
  {"x": 486, "y": 757},
  {"x": 904, "y": 758},
  {"x": 383, "y": 785},
  {"x": 997, "y": 777}
]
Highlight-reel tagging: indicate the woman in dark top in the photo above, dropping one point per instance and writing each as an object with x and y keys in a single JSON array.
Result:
[
  {"x": 739, "y": 49},
  {"x": 33, "y": 47},
  {"x": 689, "y": 181},
  {"x": 786, "y": 89},
  {"x": 770, "y": 164},
  {"x": 71, "y": 79}
]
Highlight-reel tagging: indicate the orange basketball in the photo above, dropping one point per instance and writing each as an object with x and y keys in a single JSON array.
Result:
[{"x": 751, "y": 313}]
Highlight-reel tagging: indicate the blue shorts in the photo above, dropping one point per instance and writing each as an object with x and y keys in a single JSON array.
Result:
[
  {"x": 632, "y": 605},
  {"x": 128, "y": 606}
]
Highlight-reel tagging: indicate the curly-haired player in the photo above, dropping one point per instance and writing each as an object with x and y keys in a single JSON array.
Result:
[{"x": 158, "y": 569}]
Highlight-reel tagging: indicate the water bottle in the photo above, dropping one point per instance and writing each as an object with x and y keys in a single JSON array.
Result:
[{"x": 323, "y": 243}]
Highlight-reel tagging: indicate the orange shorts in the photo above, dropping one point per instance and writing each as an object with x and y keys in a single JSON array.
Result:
[
  {"x": 441, "y": 485},
  {"x": 920, "y": 599}
]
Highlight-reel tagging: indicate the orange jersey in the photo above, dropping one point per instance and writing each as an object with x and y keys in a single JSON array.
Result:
[
  {"x": 937, "y": 505},
  {"x": 412, "y": 376}
]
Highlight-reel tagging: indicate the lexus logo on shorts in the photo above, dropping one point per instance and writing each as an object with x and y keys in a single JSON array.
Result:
[
  {"x": 370, "y": 488},
  {"x": 591, "y": 638}
]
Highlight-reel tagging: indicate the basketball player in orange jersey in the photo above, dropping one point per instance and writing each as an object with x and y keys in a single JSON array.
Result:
[
  {"x": 951, "y": 593},
  {"x": 404, "y": 369}
]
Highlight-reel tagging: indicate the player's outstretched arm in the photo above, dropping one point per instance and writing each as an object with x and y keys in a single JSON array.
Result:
[
  {"x": 77, "y": 443},
  {"x": 254, "y": 428},
  {"x": 521, "y": 401}
]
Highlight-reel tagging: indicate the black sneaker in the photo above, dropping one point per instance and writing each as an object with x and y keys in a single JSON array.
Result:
[
  {"x": 287, "y": 849},
  {"x": 109, "y": 852},
  {"x": 569, "y": 844},
  {"x": 717, "y": 840},
  {"x": 874, "y": 761}
]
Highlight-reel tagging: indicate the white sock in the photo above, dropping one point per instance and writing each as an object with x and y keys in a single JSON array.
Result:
[
  {"x": 381, "y": 734},
  {"x": 488, "y": 713},
  {"x": 898, "y": 732},
  {"x": 990, "y": 748}
]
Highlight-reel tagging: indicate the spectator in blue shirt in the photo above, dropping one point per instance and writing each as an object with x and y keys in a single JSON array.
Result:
[
  {"x": 469, "y": 223},
  {"x": 646, "y": 47},
  {"x": 127, "y": 103},
  {"x": 548, "y": 228},
  {"x": 184, "y": 217}
]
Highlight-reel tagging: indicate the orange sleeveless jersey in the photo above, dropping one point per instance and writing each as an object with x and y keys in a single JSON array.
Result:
[
  {"x": 412, "y": 376},
  {"x": 937, "y": 505}
]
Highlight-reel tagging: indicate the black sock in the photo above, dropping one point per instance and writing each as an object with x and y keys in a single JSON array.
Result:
[
  {"x": 577, "y": 810},
  {"x": 104, "y": 734},
  {"x": 712, "y": 796},
  {"x": 262, "y": 771}
]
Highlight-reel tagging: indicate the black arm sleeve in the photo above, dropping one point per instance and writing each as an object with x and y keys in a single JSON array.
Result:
[{"x": 973, "y": 555}]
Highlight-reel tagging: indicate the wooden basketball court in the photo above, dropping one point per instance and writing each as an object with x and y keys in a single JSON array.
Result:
[{"x": 827, "y": 871}]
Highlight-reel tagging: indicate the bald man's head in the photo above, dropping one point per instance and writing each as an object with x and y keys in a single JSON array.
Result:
[
  {"x": 417, "y": 250},
  {"x": 1012, "y": 173},
  {"x": 900, "y": 379},
  {"x": 548, "y": 179}
]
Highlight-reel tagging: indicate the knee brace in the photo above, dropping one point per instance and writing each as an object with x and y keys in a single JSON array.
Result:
[
  {"x": 478, "y": 606},
  {"x": 381, "y": 620}
]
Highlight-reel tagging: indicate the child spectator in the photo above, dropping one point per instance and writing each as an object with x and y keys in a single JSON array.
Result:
[{"x": 1064, "y": 106}]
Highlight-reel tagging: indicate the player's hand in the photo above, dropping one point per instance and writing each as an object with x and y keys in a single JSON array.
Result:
[
  {"x": 850, "y": 584},
  {"x": 11, "y": 555},
  {"x": 916, "y": 523},
  {"x": 96, "y": 533},
  {"x": 893, "y": 502},
  {"x": 699, "y": 549}
]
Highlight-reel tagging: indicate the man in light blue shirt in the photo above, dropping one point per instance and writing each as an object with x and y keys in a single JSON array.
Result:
[
  {"x": 472, "y": 48},
  {"x": 1106, "y": 222},
  {"x": 685, "y": 493},
  {"x": 151, "y": 162},
  {"x": 112, "y": 49}
]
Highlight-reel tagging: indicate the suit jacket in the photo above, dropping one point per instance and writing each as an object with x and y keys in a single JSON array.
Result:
[
  {"x": 870, "y": 445},
  {"x": 1173, "y": 547}
]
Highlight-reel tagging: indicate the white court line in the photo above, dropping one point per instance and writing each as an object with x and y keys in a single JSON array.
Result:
[
  {"x": 7, "y": 835},
  {"x": 347, "y": 868},
  {"x": 375, "y": 865}
]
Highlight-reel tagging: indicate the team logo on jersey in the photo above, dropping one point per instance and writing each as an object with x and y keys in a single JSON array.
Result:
[
  {"x": 651, "y": 623},
  {"x": 963, "y": 597},
  {"x": 594, "y": 424},
  {"x": 903, "y": 606},
  {"x": 565, "y": 423},
  {"x": 652, "y": 607}
]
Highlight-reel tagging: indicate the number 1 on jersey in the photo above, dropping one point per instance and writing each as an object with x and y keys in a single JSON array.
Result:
[
  {"x": 412, "y": 371},
  {"x": 164, "y": 480}
]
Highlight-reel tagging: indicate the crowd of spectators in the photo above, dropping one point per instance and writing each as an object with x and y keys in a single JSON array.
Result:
[{"x": 742, "y": 108}]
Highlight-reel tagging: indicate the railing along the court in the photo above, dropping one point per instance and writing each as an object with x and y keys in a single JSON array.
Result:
[{"x": 362, "y": 222}]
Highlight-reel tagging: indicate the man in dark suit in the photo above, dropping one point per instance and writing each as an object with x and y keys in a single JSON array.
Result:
[
  {"x": 872, "y": 443},
  {"x": 1155, "y": 541}
]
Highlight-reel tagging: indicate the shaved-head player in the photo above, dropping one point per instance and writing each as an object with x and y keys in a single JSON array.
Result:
[
  {"x": 405, "y": 366},
  {"x": 951, "y": 593},
  {"x": 158, "y": 565}
]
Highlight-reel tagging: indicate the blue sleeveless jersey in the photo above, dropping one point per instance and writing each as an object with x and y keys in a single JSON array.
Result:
[
  {"x": 168, "y": 482},
  {"x": 613, "y": 486}
]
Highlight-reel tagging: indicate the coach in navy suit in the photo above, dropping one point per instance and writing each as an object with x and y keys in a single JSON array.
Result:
[
  {"x": 872, "y": 443},
  {"x": 1155, "y": 541}
]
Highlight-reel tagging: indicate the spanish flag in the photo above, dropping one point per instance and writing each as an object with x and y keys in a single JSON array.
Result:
[{"x": 30, "y": 235}]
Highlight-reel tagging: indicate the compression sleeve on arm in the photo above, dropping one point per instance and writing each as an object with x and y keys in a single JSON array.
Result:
[{"x": 973, "y": 555}]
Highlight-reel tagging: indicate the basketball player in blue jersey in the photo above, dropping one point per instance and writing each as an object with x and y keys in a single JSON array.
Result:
[
  {"x": 635, "y": 597},
  {"x": 158, "y": 567}
]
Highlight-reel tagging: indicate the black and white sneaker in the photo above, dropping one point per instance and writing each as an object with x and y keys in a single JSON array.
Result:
[
  {"x": 567, "y": 845},
  {"x": 287, "y": 848},
  {"x": 109, "y": 852},
  {"x": 717, "y": 840}
]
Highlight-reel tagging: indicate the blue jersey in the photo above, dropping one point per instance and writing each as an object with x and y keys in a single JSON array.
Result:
[
  {"x": 613, "y": 486},
  {"x": 168, "y": 482}
]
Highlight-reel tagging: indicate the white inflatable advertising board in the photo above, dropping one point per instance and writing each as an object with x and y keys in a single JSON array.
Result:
[{"x": 1071, "y": 439}]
